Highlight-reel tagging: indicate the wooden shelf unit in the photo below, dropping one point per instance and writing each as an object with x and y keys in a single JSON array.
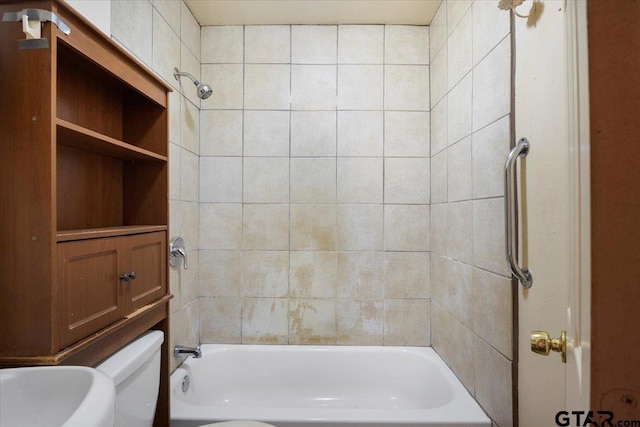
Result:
[{"x": 84, "y": 168}]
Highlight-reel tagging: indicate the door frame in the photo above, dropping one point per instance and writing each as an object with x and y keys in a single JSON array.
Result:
[{"x": 578, "y": 378}]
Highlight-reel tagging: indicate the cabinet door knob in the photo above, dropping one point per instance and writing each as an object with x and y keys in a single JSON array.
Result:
[{"x": 128, "y": 276}]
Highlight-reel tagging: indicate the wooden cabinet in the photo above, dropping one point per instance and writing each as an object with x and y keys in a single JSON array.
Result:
[
  {"x": 104, "y": 280},
  {"x": 83, "y": 201}
]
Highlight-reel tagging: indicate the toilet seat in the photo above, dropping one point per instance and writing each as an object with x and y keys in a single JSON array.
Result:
[{"x": 238, "y": 424}]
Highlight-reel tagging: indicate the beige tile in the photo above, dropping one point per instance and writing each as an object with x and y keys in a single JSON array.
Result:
[
  {"x": 314, "y": 87},
  {"x": 265, "y": 274},
  {"x": 190, "y": 30},
  {"x": 490, "y": 26},
  {"x": 488, "y": 236},
  {"x": 406, "y": 227},
  {"x": 266, "y": 227},
  {"x": 220, "y": 320},
  {"x": 227, "y": 81},
  {"x": 438, "y": 31},
  {"x": 220, "y": 273},
  {"x": 439, "y": 228},
  {"x": 166, "y": 49},
  {"x": 266, "y": 133},
  {"x": 439, "y": 188},
  {"x": 456, "y": 10},
  {"x": 439, "y": 126},
  {"x": 360, "y": 227},
  {"x": 184, "y": 327},
  {"x": 441, "y": 332},
  {"x": 462, "y": 345},
  {"x": 320, "y": 142},
  {"x": 267, "y": 44},
  {"x": 189, "y": 283},
  {"x": 360, "y": 275},
  {"x": 493, "y": 383},
  {"x": 438, "y": 76},
  {"x": 406, "y": 87},
  {"x": 170, "y": 11},
  {"x": 459, "y": 114},
  {"x": 314, "y": 44},
  {"x": 490, "y": 148},
  {"x": 492, "y": 308},
  {"x": 264, "y": 321},
  {"x": 460, "y": 292},
  {"x": 266, "y": 87},
  {"x": 406, "y": 44},
  {"x": 459, "y": 172},
  {"x": 407, "y": 322},
  {"x": 175, "y": 117},
  {"x": 360, "y": 87},
  {"x": 460, "y": 231},
  {"x": 222, "y": 44},
  {"x": 175, "y": 217},
  {"x": 266, "y": 180},
  {"x": 313, "y": 227},
  {"x": 189, "y": 176},
  {"x": 189, "y": 126},
  {"x": 189, "y": 224},
  {"x": 312, "y": 321},
  {"x": 406, "y": 134},
  {"x": 220, "y": 179},
  {"x": 459, "y": 51},
  {"x": 407, "y": 275},
  {"x": 407, "y": 180},
  {"x": 360, "y": 322},
  {"x": 131, "y": 25},
  {"x": 439, "y": 280},
  {"x": 492, "y": 86},
  {"x": 174, "y": 171},
  {"x": 189, "y": 63},
  {"x": 360, "y": 133},
  {"x": 313, "y": 274},
  {"x": 220, "y": 226},
  {"x": 174, "y": 288},
  {"x": 360, "y": 44},
  {"x": 220, "y": 133},
  {"x": 313, "y": 180},
  {"x": 360, "y": 180}
]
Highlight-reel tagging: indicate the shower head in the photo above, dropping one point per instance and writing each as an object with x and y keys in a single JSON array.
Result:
[{"x": 203, "y": 91}]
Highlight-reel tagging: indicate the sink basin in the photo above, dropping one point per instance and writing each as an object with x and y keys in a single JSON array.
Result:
[{"x": 56, "y": 396}]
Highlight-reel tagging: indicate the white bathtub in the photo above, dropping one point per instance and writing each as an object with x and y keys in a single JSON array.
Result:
[{"x": 313, "y": 386}]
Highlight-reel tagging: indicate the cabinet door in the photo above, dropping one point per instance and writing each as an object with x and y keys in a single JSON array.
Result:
[
  {"x": 91, "y": 293},
  {"x": 146, "y": 256}
]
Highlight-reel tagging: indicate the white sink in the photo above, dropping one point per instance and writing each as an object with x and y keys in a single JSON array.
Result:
[{"x": 56, "y": 396}]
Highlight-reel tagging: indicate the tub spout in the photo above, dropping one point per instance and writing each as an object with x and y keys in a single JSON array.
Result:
[{"x": 180, "y": 351}]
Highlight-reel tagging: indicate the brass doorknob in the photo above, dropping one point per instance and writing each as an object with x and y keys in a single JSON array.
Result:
[{"x": 541, "y": 343}]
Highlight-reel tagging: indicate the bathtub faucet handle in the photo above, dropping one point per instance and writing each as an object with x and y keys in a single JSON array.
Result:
[{"x": 177, "y": 250}]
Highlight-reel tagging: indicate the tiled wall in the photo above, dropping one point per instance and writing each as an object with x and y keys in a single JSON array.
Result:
[
  {"x": 314, "y": 185},
  {"x": 164, "y": 34},
  {"x": 471, "y": 288}
]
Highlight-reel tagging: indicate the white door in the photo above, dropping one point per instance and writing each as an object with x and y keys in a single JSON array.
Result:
[{"x": 553, "y": 212}]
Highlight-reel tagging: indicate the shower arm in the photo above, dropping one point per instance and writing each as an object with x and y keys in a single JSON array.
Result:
[{"x": 177, "y": 73}]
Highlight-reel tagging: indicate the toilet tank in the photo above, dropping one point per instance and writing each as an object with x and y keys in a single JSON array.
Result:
[{"x": 135, "y": 370}]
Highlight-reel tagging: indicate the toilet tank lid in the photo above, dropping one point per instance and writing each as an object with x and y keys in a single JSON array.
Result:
[{"x": 125, "y": 361}]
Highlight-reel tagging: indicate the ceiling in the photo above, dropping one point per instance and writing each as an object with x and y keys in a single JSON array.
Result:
[{"x": 265, "y": 12}]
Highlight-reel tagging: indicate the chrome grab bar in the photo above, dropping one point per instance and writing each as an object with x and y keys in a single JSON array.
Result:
[{"x": 511, "y": 212}]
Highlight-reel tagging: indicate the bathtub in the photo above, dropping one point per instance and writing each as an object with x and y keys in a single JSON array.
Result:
[{"x": 317, "y": 386}]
